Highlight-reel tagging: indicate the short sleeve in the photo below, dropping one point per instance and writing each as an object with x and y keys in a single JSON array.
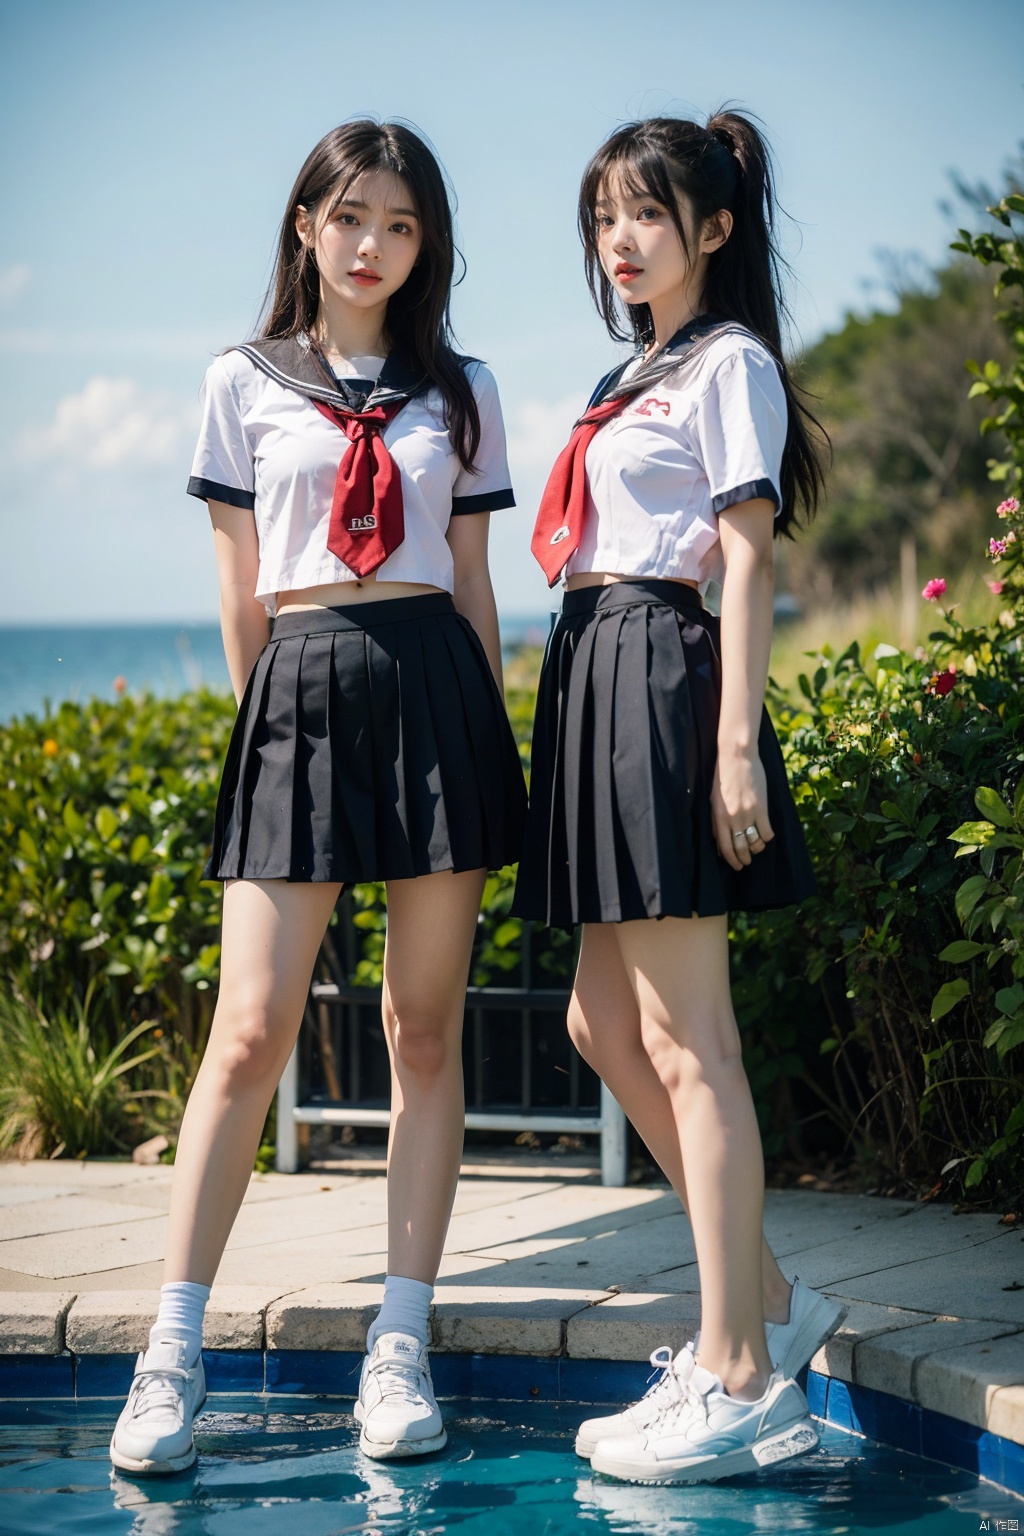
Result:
[
  {"x": 741, "y": 430},
  {"x": 489, "y": 488},
  {"x": 222, "y": 469}
]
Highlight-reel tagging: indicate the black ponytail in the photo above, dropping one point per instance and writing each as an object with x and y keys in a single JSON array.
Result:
[{"x": 725, "y": 164}]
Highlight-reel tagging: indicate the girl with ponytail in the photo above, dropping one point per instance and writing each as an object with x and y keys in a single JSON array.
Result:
[{"x": 658, "y": 788}]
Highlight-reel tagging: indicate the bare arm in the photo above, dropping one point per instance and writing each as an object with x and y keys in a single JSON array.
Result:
[
  {"x": 243, "y": 621},
  {"x": 738, "y": 798},
  {"x": 474, "y": 596}
]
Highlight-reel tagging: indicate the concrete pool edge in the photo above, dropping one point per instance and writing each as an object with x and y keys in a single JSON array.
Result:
[{"x": 29, "y": 1379}]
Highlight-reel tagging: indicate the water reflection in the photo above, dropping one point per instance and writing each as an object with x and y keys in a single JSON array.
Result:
[{"x": 508, "y": 1471}]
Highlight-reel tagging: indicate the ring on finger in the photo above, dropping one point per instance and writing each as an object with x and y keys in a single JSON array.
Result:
[{"x": 751, "y": 834}]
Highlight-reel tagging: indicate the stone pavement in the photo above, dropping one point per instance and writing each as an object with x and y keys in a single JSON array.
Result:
[{"x": 542, "y": 1260}]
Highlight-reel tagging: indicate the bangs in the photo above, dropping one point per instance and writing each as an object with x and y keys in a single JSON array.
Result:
[
  {"x": 374, "y": 160},
  {"x": 637, "y": 167}
]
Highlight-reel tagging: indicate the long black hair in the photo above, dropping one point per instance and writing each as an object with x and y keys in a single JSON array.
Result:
[
  {"x": 418, "y": 315},
  {"x": 725, "y": 164}
]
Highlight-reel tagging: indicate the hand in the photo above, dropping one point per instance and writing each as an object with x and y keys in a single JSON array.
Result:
[{"x": 739, "y": 800}]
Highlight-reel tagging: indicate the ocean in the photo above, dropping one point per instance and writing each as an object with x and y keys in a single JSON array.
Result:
[{"x": 50, "y": 663}]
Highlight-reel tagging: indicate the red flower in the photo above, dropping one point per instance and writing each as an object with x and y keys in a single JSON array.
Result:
[
  {"x": 933, "y": 589},
  {"x": 941, "y": 683}
]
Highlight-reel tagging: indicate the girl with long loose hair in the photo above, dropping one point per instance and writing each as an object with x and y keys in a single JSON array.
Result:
[
  {"x": 658, "y": 798},
  {"x": 349, "y": 457}
]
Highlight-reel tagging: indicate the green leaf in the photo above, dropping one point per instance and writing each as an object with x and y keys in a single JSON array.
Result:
[
  {"x": 75, "y": 823},
  {"x": 106, "y": 822},
  {"x": 961, "y": 950},
  {"x": 911, "y": 858},
  {"x": 968, "y": 896},
  {"x": 947, "y": 997},
  {"x": 991, "y": 805},
  {"x": 27, "y": 847},
  {"x": 973, "y": 832},
  {"x": 1010, "y": 1000},
  {"x": 976, "y": 1172}
]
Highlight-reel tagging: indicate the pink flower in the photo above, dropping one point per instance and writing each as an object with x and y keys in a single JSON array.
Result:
[
  {"x": 1008, "y": 507},
  {"x": 934, "y": 589},
  {"x": 995, "y": 587},
  {"x": 997, "y": 548}
]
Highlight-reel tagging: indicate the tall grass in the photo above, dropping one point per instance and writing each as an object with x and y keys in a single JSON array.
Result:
[{"x": 63, "y": 1089}]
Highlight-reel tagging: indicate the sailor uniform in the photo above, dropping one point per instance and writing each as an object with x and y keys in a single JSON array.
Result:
[
  {"x": 625, "y": 735},
  {"x": 372, "y": 742},
  {"x": 263, "y": 444}
]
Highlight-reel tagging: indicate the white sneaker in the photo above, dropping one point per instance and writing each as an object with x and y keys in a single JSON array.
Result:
[
  {"x": 708, "y": 1435},
  {"x": 666, "y": 1389},
  {"x": 813, "y": 1318},
  {"x": 154, "y": 1432},
  {"x": 397, "y": 1408}
]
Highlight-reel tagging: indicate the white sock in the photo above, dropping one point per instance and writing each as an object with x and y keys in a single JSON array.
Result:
[
  {"x": 404, "y": 1309},
  {"x": 182, "y": 1304}
]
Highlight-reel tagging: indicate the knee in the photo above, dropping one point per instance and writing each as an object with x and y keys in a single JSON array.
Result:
[
  {"x": 579, "y": 1034},
  {"x": 698, "y": 1060},
  {"x": 424, "y": 1040},
  {"x": 248, "y": 1050}
]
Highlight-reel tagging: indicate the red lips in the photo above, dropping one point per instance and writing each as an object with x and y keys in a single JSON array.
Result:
[
  {"x": 364, "y": 275},
  {"x": 623, "y": 269}
]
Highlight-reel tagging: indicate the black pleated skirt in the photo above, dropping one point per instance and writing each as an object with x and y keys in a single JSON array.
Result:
[
  {"x": 624, "y": 748},
  {"x": 372, "y": 744}
]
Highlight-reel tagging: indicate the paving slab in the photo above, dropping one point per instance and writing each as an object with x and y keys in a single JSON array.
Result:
[
  {"x": 835, "y": 1358},
  {"x": 86, "y": 1250},
  {"x": 630, "y": 1326},
  {"x": 333, "y": 1316},
  {"x": 968, "y": 1382},
  {"x": 980, "y": 1282},
  {"x": 890, "y": 1361},
  {"x": 118, "y": 1322},
  {"x": 500, "y": 1320},
  {"x": 65, "y": 1213},
  {"x": 31, "y": 1324}
]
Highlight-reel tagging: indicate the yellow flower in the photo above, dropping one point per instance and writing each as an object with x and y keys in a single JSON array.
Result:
[{"x": 50, "y": 747}]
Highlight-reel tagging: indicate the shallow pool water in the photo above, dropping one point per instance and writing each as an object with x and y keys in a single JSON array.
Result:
[{"x": 271, "y": 1466}]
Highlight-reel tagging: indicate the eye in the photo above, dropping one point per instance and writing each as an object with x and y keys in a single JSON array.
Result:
[
  {"x": 402, "y": 229},
  {"x": 647, "y": 214},
  {"x": 604, "y": 221},
  {"x": 345, "y": 218}
]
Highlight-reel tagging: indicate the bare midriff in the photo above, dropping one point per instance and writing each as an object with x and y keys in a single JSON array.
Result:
[
  {"x": 607, "y": 578},
  {"x": 340, "y": 594}
]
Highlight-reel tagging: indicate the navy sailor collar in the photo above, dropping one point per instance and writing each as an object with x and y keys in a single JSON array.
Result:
[
  {"x": 292, "y": 362},
  {"x": 675, "y": 351}
]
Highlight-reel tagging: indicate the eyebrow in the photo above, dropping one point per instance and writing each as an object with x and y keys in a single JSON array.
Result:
[{"x": 351, "y": 202}]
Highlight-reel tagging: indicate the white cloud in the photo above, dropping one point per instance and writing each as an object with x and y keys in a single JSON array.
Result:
[
  {"x": 113, "y": 424},
  {"x": 13, "y": 282},
  {"x": 538, "y": 430}
]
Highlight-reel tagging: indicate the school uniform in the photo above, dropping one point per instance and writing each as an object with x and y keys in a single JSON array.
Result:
[
  {"x": 625, "y": 736},
  {"x": 372, "y": 741}
]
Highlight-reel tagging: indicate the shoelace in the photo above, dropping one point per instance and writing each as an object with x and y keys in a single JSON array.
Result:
[
  {"x": 156, "y": 1390},
  {"x": 399, "y": 1379},
  {"x": 683, "y": 1393}
]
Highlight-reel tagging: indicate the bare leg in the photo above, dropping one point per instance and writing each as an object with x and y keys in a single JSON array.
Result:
[
  {"x": 431, "y": 922},
  {"x": 271, "y": 933},
  {"x": 679, "y": 973},
  {"x": 604, "y": 1023}
]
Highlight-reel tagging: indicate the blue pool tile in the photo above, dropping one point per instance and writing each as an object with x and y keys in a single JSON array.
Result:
[
  {"x": 234, "y": 1370},
  {"x": 514, "y": 1378},
  {"x": 602, "y": 1381},
  {"x": 816, "y": 1391},
  {"x": 875, "y": 1414},
  {"x": 313, "y": 1370},
  {"x": 452, "y": 1375},
  {"x": 37, "y": 1376},
  {"x": 103, "y": 1375}
]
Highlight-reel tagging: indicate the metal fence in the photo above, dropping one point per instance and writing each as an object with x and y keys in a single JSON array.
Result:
[{"x": 522, "y": 1072}]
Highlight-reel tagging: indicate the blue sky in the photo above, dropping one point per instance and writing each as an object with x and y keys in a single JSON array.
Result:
[{"x": 147, "y": 151}]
